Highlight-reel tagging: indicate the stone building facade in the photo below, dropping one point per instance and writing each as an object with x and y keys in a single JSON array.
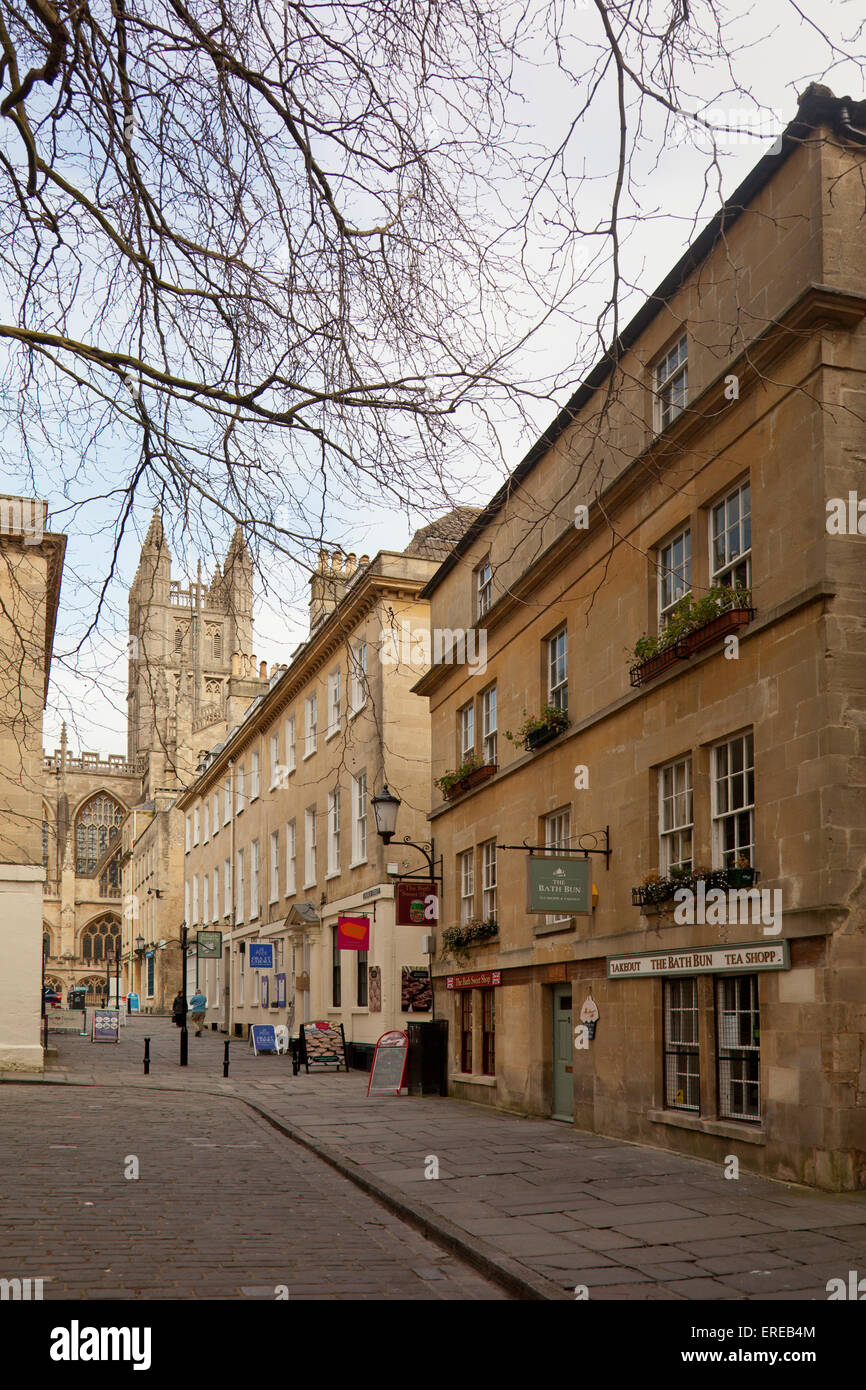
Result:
[
  {"x": 280, "y": 837},
  {"x": 709, "y": 483},
  {"x": 31, "y": 567}
]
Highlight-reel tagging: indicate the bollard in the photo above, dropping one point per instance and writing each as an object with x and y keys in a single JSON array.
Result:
[
  {"x": 226, "y": 1058},
  {"x": 147, "y": 1056}
]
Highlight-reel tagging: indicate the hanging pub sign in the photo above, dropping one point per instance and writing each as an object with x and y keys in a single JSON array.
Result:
[
  {"x": 353, "y": 933},
  {"x": 389, "y": 1064},
  {"x": 210, "y": 945},
  {"x": 416, "y": 904},
  {"x": 557, "y": 883},
  {"x": 323, "y": 1044},
  {"x": 105, "y": 1025},
  {"x": 260, "y": 955}
]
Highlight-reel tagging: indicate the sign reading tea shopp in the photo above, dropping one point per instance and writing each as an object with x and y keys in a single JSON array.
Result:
[
  {"x": 557, "y": 883},
  {"x": 715, "y": 960}
]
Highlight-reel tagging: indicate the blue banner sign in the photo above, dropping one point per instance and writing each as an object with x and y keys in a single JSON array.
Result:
[
  {"x": 263, "y": 1038},
  {"x": 261, "y": 955}
]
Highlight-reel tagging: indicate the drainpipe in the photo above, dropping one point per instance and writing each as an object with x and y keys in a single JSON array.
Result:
[{"x": 844, "y": 127}]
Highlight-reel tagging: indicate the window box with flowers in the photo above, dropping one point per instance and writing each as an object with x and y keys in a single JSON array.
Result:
[
  {"x": 693, "y": 624},
  {"x": 540, "y": 728},
  {"x": 656, "y": 890},
  {"x": 469, "y": 774},
  {"x": 457, "y": 941}
]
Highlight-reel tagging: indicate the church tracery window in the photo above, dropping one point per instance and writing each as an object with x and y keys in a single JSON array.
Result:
[
  {"x": 96, "y": 826},
  {"x": 100, "y": 940}
]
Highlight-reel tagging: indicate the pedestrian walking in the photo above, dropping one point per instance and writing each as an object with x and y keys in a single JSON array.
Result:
[
  {"x": 197, "y": 1007},
  {"x": 177, "y": 1009}
]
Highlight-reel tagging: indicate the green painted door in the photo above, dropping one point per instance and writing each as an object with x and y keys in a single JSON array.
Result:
[{"x": 563, "y": 1055}]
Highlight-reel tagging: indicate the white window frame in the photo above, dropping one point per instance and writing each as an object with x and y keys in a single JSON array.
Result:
[
  {"x": 489, "y": 734},
  {"x": 206, "y": 826},
  {"x": 311, "y": 716},
  {"x": 358, "y": 684},
  {"x": 240, "y": 778},
  {"x": 240, "y": 886},
  {"x": 188, "y": 832},
  {"x": 227, "y": 888},
  {"x": 736, "y": 539},
  {"x": 205, "y": 899},
  {"x": 195, "y": 900},
  {"x": 254, "y": 775},
  {"x": 557, "y": 669},
  {"x": 275, "y": 760},
  {"x": 227, "y": 800},
  {"x": 187, "y": 899},
  {"x": 466, "y": 879},
  {"x": 196, "y": 823},
  {"x": 215, "y": 813},
  {"x": 483, "y": 588},
  {"x": 274, "y": 890},
  {"x": 291, "y": 858},
  {"x": 676, "y": 815},
  {"x": 254, "y": 879},
  {"x": 671, "y": 383},
  {"x": 334, "y": 705},
  {"x": 290, "y": 743},
  {"x": 488, "y": 880},
  {"x": 310, "y": 847},
  {"x": 334, "y": 808},
  {"x": 674, "y": 574},
  {"x": 359, "y": 820},
  {"x": 722, "y": 814},
  {"x": 466, "y": 730},
  {"x": 215, "y": 909}
]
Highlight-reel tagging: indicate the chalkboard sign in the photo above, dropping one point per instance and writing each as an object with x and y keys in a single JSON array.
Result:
[
  {"x": 323, "y": 1045},
  {"x": 263, "y": 1038},
  {"x": 389, "y": 1063}
]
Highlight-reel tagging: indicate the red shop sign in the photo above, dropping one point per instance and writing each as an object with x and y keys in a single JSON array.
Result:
[{"x": 481, "y": 979}]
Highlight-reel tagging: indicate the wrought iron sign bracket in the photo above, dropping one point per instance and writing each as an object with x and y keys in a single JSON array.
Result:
[
  {"x": 600, "y": 845},
  {"x": 420, "y": 875}
]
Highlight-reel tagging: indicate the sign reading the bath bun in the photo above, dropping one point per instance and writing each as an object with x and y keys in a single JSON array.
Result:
[
  {"x": 389, "y": 1063},
  {"x": 739, "y": 956},
  {"x": 417, "y": 904},
  {"x": 479, "y": 979},
  {"x": 353, "y": 933},
  {"x": 557, "y": 884}
]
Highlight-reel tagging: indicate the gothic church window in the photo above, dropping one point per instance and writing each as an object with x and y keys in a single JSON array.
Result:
[{"x": 96, "y": 825}]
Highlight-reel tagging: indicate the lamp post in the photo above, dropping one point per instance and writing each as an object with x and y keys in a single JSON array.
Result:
[
  {"x": 184, "y": 1035},
  {"x": 385, "y": 808}
]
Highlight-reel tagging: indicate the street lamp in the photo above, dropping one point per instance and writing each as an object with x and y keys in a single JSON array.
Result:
[{"x": 385, "y": 808}]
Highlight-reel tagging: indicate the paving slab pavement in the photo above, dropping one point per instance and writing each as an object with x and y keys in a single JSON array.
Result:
[{"x": 661, "y": 1225}]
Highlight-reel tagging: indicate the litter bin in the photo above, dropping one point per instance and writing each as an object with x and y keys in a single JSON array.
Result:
[{"x": 427, "y": 1072}]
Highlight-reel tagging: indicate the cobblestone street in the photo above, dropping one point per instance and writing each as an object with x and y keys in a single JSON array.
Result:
[
  {"x": 228, "y": 1206},
  {"x": 224, "y": 1207}
]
